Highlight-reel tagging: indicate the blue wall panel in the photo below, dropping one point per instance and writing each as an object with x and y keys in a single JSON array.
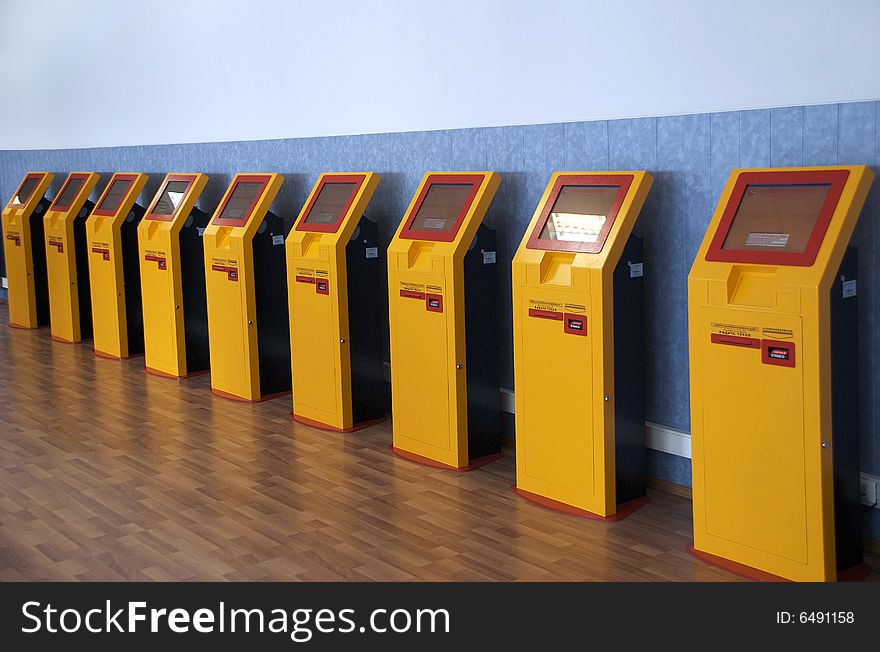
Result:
[{"x": 689, "y": 156}]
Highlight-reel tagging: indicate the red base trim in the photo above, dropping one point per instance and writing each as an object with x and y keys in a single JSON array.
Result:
[
  {"x": 623, "y": 510},
  {"x": 232, "y": 397},
  {"x": 434, "y": 464},
  {"x": 26, "y": 328},
  {"x": 311, "y": 423},
  {"x": 735, "y": 567},
  {"x": 165, "y": 374}
]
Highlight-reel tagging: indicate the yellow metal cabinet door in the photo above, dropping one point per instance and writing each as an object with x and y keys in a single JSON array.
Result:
[
  {"x": 19, "y": 272},
  {"x": 231, "y": 369},
  {"x": 753, "y": 443},
  {"x": 314, "y": 348},
  {"x": 421, "y": 396},
  {"x": 161, "y": 314},
  {"x": 557, "y": 411}
]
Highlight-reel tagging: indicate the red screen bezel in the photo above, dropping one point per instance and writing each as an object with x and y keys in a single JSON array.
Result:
[
  {"x": 476, "y": 181},
  {"x": 190, "y": 179},
  {"x": 835, "y": 179},
  {"x": 242, "y": 178},
  {"x": 116, "y": 177},
  {"x": 357, "y": 179},
  {"x": 621, "y": 181},
  {"x": 39, "y": 176},
  {"x": 73, "y": 175}
]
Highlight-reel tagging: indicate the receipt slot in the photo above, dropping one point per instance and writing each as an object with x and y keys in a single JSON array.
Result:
[
  {"x": 442, "y": 294},
  {"x": 114, "y": 273},
  {"x": 773, "y": 365},
  {"x": 246, "y": 280},
  {"x": 334, "y": 274},
  {"x": 578, "y": 336},
  {"x": 25, "y": 252},
  {"x": 67, "y": 259},
  {"x": 172, "y": 264}
]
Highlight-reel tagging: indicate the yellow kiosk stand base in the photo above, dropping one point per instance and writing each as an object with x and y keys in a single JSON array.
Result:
[
  {"x": 172, "y": 265},
  {"x": 334, "y": 272},
  {"x": 442, "y": 293},
  {"x": 578, "y": 288},
  {"x": 67, "y": 259},
  {"x": 114, "y": 271},
  {"x": 25, "y": 252},
  {"x": 246, "y": 280},
  {"x": 772, "y": 303}
]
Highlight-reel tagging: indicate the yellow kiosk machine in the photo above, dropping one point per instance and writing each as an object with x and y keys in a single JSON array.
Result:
[
  {"x": 246, "y": 278},
  {"x": 67, "y": 259},
  {"x": 172, "y": 265},
  {"x": 334, "y": 278},
  {"x": 26, "y": 253},
  {"x": 114, "y": 273},
  {"x": 578, "y": 332},
  {"x": 442, "y": 295},
  {"x": 774, "y": 412}
]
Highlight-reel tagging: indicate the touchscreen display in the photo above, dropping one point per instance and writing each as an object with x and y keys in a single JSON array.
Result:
[
  {"x": 579, "y": 213},
  {"x": 441, "y": 207},
  {"x": 330, "y": 203}
]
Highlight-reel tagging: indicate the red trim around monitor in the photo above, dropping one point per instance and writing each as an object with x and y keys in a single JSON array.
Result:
[
  {"x": 476, "y": 180},
  {"x": 242, "y": 178},
  {"x": 189, "y": 179},
  {"x": 621, "y": 181},
  {"x": 357, "y": 179},
  {"x": 73, "y": 175},
  {"x": 836, "y": 179},
  {"x": 35, "y": 175},
  {"x": 116, "y": 177}
]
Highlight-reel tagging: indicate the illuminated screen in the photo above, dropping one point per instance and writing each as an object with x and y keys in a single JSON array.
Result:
[
  {"x": 171, "y": 198},
  {"x": 441, "y": 207},
  {"x": 68, "y": 193},
  {"x": 330, "y": 203},
  {"x": 27, "y": 189},
  {"x": 776, "y": 218},
  {"x": 579, "y": 213},
  {"x": 240, "y": 201},
  {"x": 114, "y": 195}
]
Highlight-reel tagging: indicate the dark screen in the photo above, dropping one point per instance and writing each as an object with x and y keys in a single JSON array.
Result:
[
  {"x": 114, "y": 196},
  {"x": 27, "y": 189},
  {"x": 776, "y": 218},
  {"x": 68, "y": 193},
  {"x": 240, "y": 201},
  {"x": 330, "y": 203},
  {"x": 171, "y": 197},
  {"x": 441, "y": 207}
]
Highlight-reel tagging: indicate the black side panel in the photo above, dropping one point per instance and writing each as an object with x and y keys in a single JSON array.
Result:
[
  {"x": 38, "y": 252},
  {"x": 629, "y": 374},
  {"x": 364, "y": 276},
  {"x": 273, "y": 320},
  {"x": 83, "y": 289},
  {"x": 131, "y": 273},
  {"x": 195, "y": 306},
  {"x": 845, "y": 416},
  {"x": 483, "y": 361}
]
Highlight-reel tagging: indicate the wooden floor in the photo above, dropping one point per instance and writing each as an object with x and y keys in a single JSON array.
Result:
[{"x": 107, "y": 473}]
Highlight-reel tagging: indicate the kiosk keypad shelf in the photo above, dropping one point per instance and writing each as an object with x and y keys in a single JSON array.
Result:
[
  {"x": 23, "y": 241},
  {"x": 172, "y": 266},
  {"x": 579, "y": 366},
  {"x": 67, "y": 259},
  {"x": 114, "y": 272},
  {"x": 334, "y": 273},
  {"x": 246, "y": 281},
  {"x": 773, "y": 355},
  {"x": 442, "y": 294}
]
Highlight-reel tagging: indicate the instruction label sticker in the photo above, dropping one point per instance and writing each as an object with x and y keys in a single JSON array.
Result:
[
  {"x": 372, "y": 252},
  {"x": 764, "y": 239},
  {"x": 737, "y": 330},
  {"x": 201, "y": 230},
  {"x": 488, "y": 257},
  {"x": 15, "y": 237},
  {"x": 636, "y": 270},
  {"x": 101, "y": 248},
  {"x": 849, "y": 289},
  {"x": 777, "y": 333},
  {"x": 277, "y": 239},
  {"x": 56, "y": 242}
]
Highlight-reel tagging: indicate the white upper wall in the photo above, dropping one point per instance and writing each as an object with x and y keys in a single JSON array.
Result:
[{"x": 90, "y": 73}]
